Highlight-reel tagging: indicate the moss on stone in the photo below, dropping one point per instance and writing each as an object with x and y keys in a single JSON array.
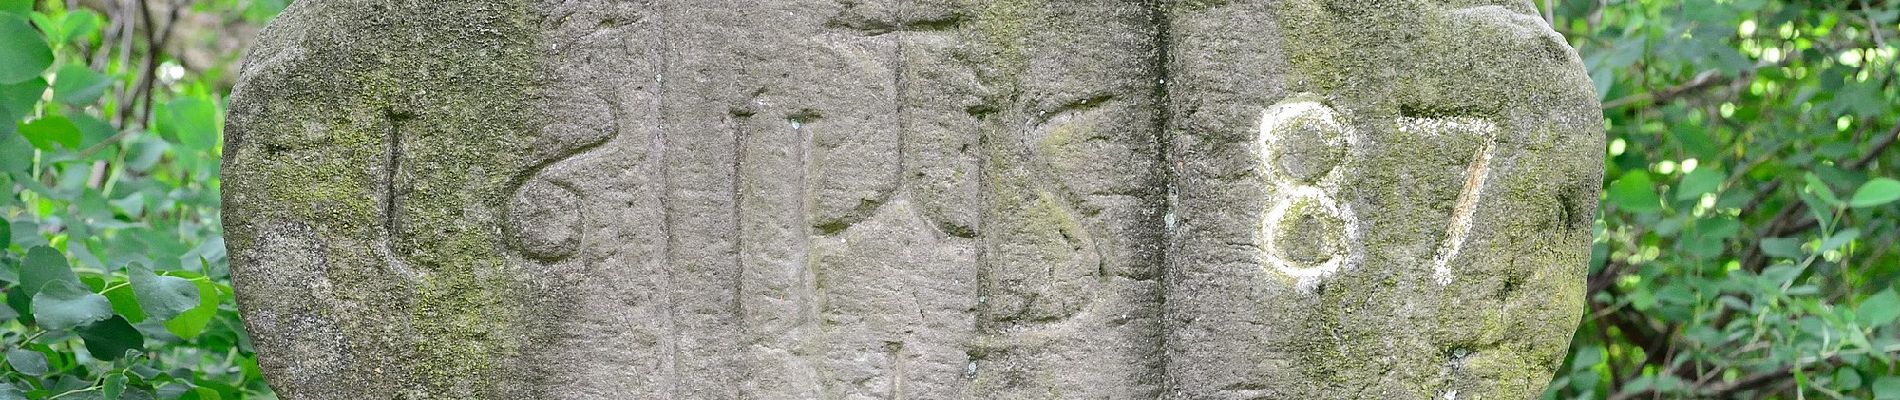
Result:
[{"x": 444, "y": 92}]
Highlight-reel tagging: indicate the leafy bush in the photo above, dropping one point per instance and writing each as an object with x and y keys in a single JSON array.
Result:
[
  {"x": 1745, "y": 248},
  {"x": 114, "y": 270}
]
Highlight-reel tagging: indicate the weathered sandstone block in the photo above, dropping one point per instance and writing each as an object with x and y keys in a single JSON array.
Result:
[{"x": 919, "y": 199}]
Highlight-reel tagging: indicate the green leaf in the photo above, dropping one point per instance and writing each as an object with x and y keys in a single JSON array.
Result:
[
  {"x": 9, "y": 269},
  {"x": 162, "y": 297},
  {"x": 1694, "y": 139},
  {"x": 17, "y": 101},
  {"x": 191, "y": 122},
  {"x": 8, "y": 392},
  {"x": 173, "y": 390},
  {"x": 191, "y": 323},
  {"x": 63, "y": 305},
  {"x": 6, "y": 233},
  {"x": 45, "y": 132},
  {"x": 78, "y": 85},
  {"x": 43, "y": 265},
  {"x": 1697, "y": 183},
  {"x": 1780, "y": 274},
  {"x": 1821, "y": 190},
  {"x": 19, "y": 7},
  {"x": 16, "y": 154},
  {"x": 124, "y": 302},
  {"x": 27, "y": 362},
  {"x": 1876, "y": 192},
  {"x": 138, "y": 394},
  {"x": 204, "y": 393},
  {"x": 1880, "y": 309},
  {"x": 1837, "y": 240},
  {"x": 109, "y": 339},
  {"x": 77, "y": 24},
  {"x": 1634, "y": 192},
  {"x": 114, "y": 386},
  {"x": 1887, "y": 387},
  {"x": 93, "y": 131},
  {"x": 143, "y": 371},
  {"x": 25, "y": 51},
  {"x": 17, "y": 305},
  {"x": 1781, "y": 247},
  {"x": 1846, "y": 379}
]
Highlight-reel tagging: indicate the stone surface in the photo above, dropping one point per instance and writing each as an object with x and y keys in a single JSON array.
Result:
[{"x": 929, "y": 199}]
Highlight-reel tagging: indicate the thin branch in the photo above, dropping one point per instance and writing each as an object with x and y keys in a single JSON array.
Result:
[
  {"x": 1879, "y": 148},
  {"x": 1704, "y": 80},
  {"x": 1867, "y": 14}
]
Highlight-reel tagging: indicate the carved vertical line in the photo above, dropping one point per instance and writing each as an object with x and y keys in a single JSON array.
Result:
[
  {"x": 986, "y": 185},
  {"x": 1159, "y": 18},
  {"x": 392, "y": 165},
  {"x": 392, "y": 170},
  {"x": 738, "y": 219},
  {"x": 808, "y": 276},
  {"x": 895, "y": 351}
]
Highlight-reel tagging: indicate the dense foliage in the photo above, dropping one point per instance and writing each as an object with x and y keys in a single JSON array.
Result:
[
  {"x": 1746, "y": 242},
  {"x": 1745, "y": 249},
  {"x": 114, "y": 270}
]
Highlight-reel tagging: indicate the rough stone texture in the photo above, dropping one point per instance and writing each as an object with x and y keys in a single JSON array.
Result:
[{"x": 926, "y": 199}]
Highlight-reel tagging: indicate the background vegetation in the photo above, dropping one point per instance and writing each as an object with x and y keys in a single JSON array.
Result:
[
  {"x": 1745, "y": 247},
  {"x": 114, "y": 271}
]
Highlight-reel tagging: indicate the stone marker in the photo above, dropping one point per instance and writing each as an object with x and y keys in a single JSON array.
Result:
[{"x": 919, "y": 199}]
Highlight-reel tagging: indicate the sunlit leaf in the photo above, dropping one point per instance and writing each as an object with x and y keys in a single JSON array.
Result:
[
  {"x": 124, "y": 302},
  {"x": 1697, "y": 183},
  {"x": 17, "y": 7},
  {"x": 43, "y": 133},
  {"x": 191, "y": 122},
  {"x": 192, "y": 322},
  {"x": 1876, "y": 192},
  {"x": 1634, "y": 192},
  {"x": 77, "y": 24}
]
